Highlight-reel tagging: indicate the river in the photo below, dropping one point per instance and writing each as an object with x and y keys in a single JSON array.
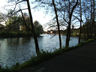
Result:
[{"x": 19, "y": 50}]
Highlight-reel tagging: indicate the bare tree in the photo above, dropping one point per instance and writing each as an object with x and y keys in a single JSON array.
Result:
[
  {"x": 55, "y": 10},
  {"x": 80, "y": 22},
  {"x": 33, "y": 30},
  {"x": 70, "y": 13},
  {"x": 88, "y": 12}
]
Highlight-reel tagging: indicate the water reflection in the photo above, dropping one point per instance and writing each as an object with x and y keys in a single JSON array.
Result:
[
  {"x": 18, "y": 41},
  {"x": 13, "y": 50}
]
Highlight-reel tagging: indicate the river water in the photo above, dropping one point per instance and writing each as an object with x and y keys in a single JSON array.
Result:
[{"x": 19, "y": 50}]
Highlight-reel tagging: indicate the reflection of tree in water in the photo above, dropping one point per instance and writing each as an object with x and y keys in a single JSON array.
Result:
[
  {"x": 18, "y": 41},
  {"x": 17, "y": 48}
]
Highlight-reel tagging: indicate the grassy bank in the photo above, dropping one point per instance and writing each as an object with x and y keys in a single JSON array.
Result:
[{"x": 41, "y": 58}]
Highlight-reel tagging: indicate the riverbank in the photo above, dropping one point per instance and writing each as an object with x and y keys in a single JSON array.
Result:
[{"x": 42, "y": 58}]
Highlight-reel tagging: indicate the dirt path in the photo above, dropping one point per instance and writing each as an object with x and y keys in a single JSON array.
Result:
[{"x": 82, "y": 59}]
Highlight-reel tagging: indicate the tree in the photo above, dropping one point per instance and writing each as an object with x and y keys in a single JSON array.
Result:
[
  {"x": 92, "y": 17},
  {"x": 70, "y": 13},
  {"x": 80, "y": 22},
  {"x": 58, "y": 25},
  {"x": 13, "y": 23},
  {"x": 38, "y": 28},
  {"x": 88, "y": 11},
  {"x": 33, "y": 29},
  {"x": 86, "y": 28}
]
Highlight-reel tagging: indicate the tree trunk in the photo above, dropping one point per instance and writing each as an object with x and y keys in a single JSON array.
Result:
[
  {"x": 68, "y": 34},
  {"x": 93, "y": 19},
  {"x": 92, "y": 16},
  {"x": 33, "y": 29},
  {"x": 80, "y": 22},
  {"x": 55, "y": 10}
]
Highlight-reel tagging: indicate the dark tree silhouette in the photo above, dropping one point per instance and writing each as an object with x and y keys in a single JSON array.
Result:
[
  {"x": 69, "y": 22},
  {"x": 80, "y": 22},
  {"x": 55, "y": 10},
  {"x": 92, "y": 17},
  {"x": 33, "y": 29}
]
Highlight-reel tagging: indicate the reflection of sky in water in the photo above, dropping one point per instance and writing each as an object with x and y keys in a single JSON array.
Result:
[
  {"x": 13, "y": 50},
  {"x": 51, "y": 42}
]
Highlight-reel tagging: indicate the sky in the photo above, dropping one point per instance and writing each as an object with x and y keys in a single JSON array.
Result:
[{"x": 38, "y": 14}]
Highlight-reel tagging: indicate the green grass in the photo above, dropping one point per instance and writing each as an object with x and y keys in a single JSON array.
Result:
[{"x": 44, "y": 56}]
